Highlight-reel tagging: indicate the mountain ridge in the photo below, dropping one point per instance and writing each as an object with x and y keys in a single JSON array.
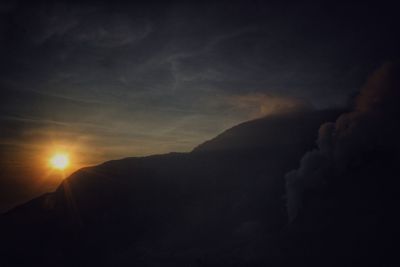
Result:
[{"x": 208, "y": 200}]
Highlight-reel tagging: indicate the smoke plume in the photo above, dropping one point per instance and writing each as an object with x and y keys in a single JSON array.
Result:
[{"x": 371, "y": 128}]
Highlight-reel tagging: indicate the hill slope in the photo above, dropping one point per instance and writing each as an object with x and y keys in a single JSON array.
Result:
[{"x": 215, "y": 205}]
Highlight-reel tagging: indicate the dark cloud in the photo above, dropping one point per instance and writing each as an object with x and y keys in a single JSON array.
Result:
[
  {"x": 89, "y": 50},
  {"x": 370, "y": 130},
  {"x": 86, "y": 25}
]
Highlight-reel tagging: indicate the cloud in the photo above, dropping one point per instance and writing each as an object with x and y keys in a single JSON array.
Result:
[
  {"x": 114, "y": 31},
  {"x": 371, "y": 128},
  {"x": 259, "y": 105},
  {"x": 90, "y": 25}
]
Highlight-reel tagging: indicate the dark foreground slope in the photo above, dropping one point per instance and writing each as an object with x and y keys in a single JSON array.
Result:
[{"x": 222, "y": 204}]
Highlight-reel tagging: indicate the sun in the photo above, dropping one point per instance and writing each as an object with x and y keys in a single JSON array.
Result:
[{"x": 59, "y": 161}]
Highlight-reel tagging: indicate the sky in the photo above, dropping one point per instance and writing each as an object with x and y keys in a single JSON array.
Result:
[{"x": 105, "y": 80}]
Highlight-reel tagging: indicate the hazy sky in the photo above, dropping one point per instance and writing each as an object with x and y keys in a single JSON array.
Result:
[{"x": 108, "y": 80}]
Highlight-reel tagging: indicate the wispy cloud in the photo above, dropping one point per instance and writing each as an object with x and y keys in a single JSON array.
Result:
[{"x": 258, "y": 105}]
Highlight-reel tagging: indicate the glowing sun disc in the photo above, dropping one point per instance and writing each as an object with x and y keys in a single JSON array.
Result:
[{"x": 59, "y": 161}]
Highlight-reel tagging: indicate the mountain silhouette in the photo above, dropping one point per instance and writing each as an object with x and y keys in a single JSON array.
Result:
[{"x": 221, "y": 204}]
